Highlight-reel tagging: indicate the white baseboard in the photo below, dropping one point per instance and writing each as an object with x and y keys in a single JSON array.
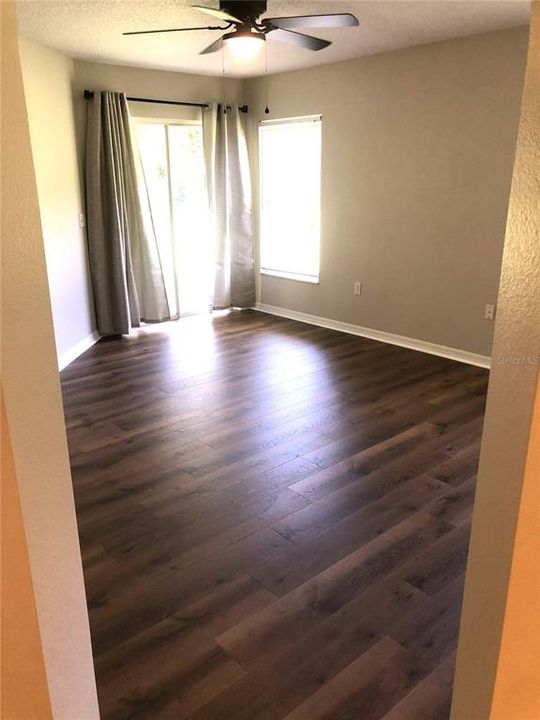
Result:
[
  {"x": 65, "y": 358},
  {"x": 463, "y": 356}
]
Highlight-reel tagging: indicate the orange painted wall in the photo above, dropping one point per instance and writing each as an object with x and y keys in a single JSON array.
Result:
[
  {"x": 24, "y": 685},
  {"x": 517, "y": 684},
  {"x": 517, "y": 681}
]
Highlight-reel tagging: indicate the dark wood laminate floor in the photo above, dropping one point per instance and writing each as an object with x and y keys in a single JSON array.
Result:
[{"x": 274, "y": 520}]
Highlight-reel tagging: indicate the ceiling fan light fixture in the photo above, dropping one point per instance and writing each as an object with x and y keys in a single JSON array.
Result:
[{"x": 244, "y": 45}]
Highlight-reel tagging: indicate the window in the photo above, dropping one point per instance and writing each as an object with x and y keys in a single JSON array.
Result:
[
  {"x": 290, "y": 197},
  {"x": 174, "y": 175}
]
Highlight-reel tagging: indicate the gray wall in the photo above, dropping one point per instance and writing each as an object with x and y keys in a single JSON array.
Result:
[{"x": 418, "y": 147}]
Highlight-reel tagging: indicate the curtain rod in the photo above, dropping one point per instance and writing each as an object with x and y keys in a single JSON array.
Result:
[{"x": 88, "y": 94}]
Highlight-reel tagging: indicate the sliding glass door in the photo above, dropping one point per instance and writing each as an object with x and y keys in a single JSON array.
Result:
[{"x": 173, "y": 170}]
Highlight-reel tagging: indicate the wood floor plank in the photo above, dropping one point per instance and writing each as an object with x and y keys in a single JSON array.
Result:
[
  {"x": 344, "y": 472},
  {"x": 274, "y": 520},
  {"x": 443, "y": 562},
  {"x": 300, "y": 623},
  {"x": 331, "y": 508},
  {"x": 366, "y": 688},
  {"x": 281, "y": 679},
  {"x": 173, "y": 655},
  {"x": 430, "y": 699},
  {"x": 319, "y": 550},
  {"x": 431, "y": 627}
]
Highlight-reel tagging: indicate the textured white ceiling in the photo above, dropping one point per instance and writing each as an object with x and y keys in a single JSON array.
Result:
[{"x": 92, "y": 30}]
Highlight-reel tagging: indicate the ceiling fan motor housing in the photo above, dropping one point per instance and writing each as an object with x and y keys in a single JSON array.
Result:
[{"x": 244, "y": 9}]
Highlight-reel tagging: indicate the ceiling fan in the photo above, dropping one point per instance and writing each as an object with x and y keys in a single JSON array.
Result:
[{"x": 249, "y": 29}]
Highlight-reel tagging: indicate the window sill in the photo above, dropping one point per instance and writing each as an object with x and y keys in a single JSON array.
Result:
[{"x": 311, "y": 279}]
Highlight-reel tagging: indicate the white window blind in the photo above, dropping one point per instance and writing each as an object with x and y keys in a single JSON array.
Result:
[{"x": 290, "y": 197}]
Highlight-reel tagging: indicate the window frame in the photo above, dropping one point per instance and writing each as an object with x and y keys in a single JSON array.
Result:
[{"x": 272, "y": 272}]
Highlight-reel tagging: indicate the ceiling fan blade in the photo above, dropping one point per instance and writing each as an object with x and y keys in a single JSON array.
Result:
[
  {"x": 294, "y": 38},
  {"x": 221, "y": 14},
  {"x": 313, "y": 21},
  {"x": 213, "y": 47},
  {"x": 150, "y": 32}
]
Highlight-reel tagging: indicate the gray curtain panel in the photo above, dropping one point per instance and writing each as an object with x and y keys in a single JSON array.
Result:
[
  {"x": 230, "y": 200},
  {"x": 124, "y": 261}
]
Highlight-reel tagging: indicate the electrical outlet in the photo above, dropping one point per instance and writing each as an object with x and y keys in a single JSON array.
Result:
[
  {"x": 489, "y": 312},
  {"x": 357, "y": 288},
  {"x": 82, "y": 220}
]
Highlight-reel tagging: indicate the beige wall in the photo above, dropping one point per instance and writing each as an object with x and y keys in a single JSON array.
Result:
[
  {"x": 418, "y": 148},
  {"x": 48, "y": 78},
  {"x": 159, "y": 84},
  {"x": 507, "y": 478},
  {"x": 34, "y": 414}
]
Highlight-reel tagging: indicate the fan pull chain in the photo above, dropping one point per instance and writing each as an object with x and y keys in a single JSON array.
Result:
[
  {"x": 266, "y": 109},
  {"x": 223, "y": 88}
]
